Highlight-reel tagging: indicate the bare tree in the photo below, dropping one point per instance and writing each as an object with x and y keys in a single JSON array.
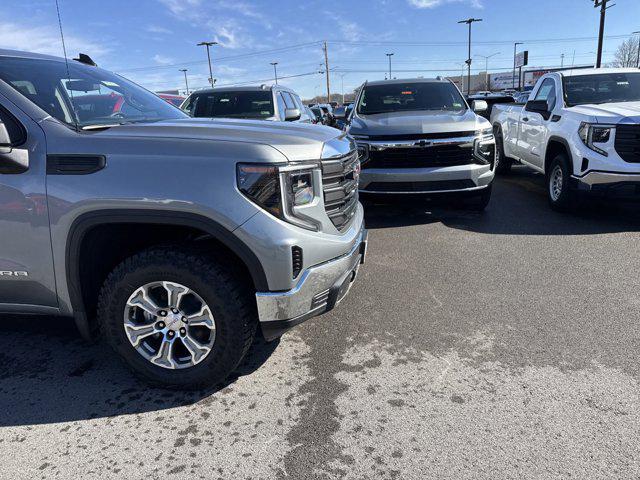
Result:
[{"x": 627, "y": 54}]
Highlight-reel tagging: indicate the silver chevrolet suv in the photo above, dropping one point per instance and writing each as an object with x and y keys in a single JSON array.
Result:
[
  {"x": 421, "y": 137},
  {"x": 174, "y": 238}
]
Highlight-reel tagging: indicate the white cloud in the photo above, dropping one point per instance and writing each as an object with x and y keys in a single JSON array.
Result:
[
  {"x": 351, "y": 31},
  {"x": 437, "y": 3},
  {"x": 157, "y": 29},
  {"x": 180, "y": 7},
  {"x": 162, "y": 59},
  {"x": 46, "y": 39}
]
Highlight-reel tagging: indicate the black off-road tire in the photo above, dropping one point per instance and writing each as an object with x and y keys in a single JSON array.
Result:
[
  {"x": 211, "y": 277},
  {"x": 564, "y": 199},
  {"x": 503, "y": 163}
]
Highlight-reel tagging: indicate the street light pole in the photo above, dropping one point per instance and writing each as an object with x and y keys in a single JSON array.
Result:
[
  {"x": 469, "y": 21},
  {"x": 342, "y": 81},
  {"x": 562, "y": 60},
  {"x": 275, "y": 70},
  {"x": 389, "y": 55},
  {"x": 515, "y": 53},
  {"x": 186, "y": 82},
  {"x": 486, "y": 67},
  {"x": 209, "y": 44}
]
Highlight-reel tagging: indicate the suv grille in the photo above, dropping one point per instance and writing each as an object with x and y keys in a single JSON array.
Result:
[
  {"x": 628, "y": 142},
  {"x": 340, "y": 187},
  {"x": 436, "y": 156},
  {"x": 424, "y": 136}
]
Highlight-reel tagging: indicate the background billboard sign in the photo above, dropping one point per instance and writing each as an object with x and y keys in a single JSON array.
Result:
[
  {"x": 503, "y": 80},
  {"x": 522, "y": 59}
]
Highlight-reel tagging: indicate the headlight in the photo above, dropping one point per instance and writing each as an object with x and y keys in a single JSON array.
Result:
[
  {"x": 285, "y": 191},
  {"x": 591, "y": 134},
  {"x": 484, "y": 146}
]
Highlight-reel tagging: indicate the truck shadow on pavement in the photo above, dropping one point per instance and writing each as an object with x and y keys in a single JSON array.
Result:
[
  {"x": 48, "y": 374},
  {"x": 518, "y": 207}
]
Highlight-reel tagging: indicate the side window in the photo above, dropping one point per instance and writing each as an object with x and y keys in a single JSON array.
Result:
[
  {"x": 11, "y": 130},
  {"x": 547, "y": 92},
  {"x": 288, "y": 101},
  {"x": 281, "y": 105},
  {"x": 190, "y": 105}
]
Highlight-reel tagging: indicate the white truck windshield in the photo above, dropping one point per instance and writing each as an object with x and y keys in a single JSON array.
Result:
[{"x": 602, "y": 88}]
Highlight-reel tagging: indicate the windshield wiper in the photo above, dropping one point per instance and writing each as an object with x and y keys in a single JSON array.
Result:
[{"x": 99, "y": 126}]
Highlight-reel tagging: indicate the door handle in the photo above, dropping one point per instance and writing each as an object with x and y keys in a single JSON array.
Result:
[{"x": 525, "y": 119}]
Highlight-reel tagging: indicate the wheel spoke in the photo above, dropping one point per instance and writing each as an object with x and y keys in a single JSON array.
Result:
[
  {"x": 196, "y": 350},
  {"x": 175, "y": 293},
  {"x": 202, "y": 318},
  {"x": 137, "y": 333},
  {"x": 140, "y": 299},
  {"x": 164, "y": 357}
]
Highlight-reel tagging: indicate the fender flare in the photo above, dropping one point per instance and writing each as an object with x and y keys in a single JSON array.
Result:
[
  {"x": 563, "y": 141},
  {"x": 87, "y": 221}
]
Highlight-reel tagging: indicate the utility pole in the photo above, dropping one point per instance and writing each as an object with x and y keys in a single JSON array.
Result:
[
  {"x": 469, "y": 21},
  {"x": 515, "y": 54},
  {"x": 389, "y": 55},
  {"x": 342, "y": 80},
  {"x": 638, "y": 60},
  {"x": 275, "y": 70},
  {"x": 602, "y": 4},
  {"x": 209, "y": 44},
  {"x": 486, "y": 67},
  {"x": 562, "y": 60},
  {"x": 186, "y": 83},
  {"x": 326, "y": 66}
]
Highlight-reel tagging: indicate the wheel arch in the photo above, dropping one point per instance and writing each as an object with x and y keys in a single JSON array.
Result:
[
  {"x": 556, "y": 145},
  {"x": 86, "y": 223}
]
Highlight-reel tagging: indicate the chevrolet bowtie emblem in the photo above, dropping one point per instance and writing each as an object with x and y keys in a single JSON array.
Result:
[{"x": 422, "y": 143}]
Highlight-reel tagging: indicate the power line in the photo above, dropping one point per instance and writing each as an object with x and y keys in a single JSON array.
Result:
[
  {"x": 455, "y": 44},
  {"x": 219, "y": 59}
]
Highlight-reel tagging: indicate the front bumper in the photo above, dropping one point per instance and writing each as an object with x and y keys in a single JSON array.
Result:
[
  {"x": 426, "y": 180},
  {"x": 319, "y": 289}
]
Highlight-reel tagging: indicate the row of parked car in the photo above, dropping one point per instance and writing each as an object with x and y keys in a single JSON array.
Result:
[{"x": 179, "y": 233}]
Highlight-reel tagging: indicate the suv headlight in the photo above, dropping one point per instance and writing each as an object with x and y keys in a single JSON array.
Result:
[
  {"x": 591, "y": 134},
  {"x": 484, "y": 146},
  {"x": 285, "y": 191}
]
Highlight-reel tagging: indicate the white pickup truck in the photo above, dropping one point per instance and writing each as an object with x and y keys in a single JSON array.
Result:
[{"x": 580, "y": 128}]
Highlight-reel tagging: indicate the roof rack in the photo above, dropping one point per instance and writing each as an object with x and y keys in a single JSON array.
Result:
[{"x": 86, "y": 59}]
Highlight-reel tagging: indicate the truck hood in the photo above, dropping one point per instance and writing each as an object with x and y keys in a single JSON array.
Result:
[
  {"x": 627, "y": 112},
  {"x": 405, "y": 123},
  {"x": 296, "y": 141}
]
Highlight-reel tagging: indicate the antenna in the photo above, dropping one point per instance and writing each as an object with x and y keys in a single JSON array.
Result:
[{"x": 66, "y": 61}]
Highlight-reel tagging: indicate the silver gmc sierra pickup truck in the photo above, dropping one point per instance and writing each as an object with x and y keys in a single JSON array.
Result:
[
  {"x": 421, "y": 137},
  {"x": 175, "y": 238}
]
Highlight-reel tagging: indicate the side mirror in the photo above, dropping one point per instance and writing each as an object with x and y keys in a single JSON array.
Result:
[
  {"x": 480, "y": 106},
  {"x": 292, "y": 114},
  {"x": 538, "y": 106},
  {"x": 5, "y": 139}
]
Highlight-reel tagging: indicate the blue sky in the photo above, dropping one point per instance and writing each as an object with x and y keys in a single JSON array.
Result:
[{"x": 150, "y": 40}]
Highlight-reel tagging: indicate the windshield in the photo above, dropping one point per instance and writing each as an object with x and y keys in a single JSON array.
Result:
[
  {"x": 238, "y": 104},
  {"x": 400, "y": 97},
  {"x": 87, "y": 96},
  {"x": 602, "y": 88}
]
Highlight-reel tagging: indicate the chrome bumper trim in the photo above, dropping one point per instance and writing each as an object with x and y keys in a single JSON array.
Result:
[
  {"x": 600, "y": 178},
  {"x": 299, "y": 301}
]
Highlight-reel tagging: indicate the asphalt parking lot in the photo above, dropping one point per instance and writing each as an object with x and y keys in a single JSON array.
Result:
[{"x": 502, "y": 345}]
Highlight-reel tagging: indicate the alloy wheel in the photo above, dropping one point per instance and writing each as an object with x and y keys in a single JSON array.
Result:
[{"x": 169, "y": 324}]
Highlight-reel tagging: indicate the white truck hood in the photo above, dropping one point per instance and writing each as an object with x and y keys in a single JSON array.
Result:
[{"x": 611, "y": 113}]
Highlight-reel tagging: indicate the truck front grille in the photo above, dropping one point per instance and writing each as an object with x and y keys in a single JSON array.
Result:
[
  {"x": 628, "y": 142},
  {"x": 434, "y": 156},
  {"x": 340, "y": 188}
]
